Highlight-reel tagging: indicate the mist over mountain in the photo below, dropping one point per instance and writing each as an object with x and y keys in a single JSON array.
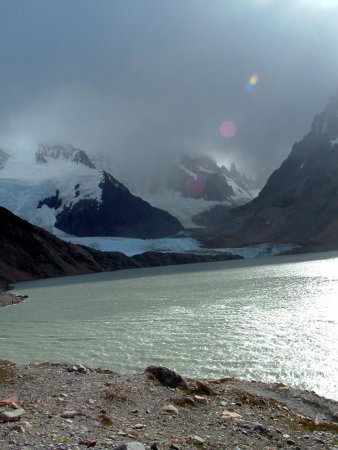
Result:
[
  {"x": 299, "y": 203},
  {"x": 147, "y": 81}
]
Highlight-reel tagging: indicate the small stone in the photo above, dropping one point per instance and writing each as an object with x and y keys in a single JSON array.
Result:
[
  {"x": 10, "y": 401},
  {"x": 317, "y": 439},
  {"x": 18, "y": 429},
  {"x": 228, "y": 415},
  {"x": 290, "y": 442},
  {"x": 204, "y": 388},
  {"x": 69, "y": 414},
  {"x": 82, "y": 369},
  {"x": 70, "y": 421},
  {"x": 190, "y": 401},
  {"x": 130, "y": 446},
  {"x": 90, "y": 401},
  {"x": 89, "y": 443},
  {"x": 201, "y": 400},
  {"x": 139, "y": 426},
  {"x": 175, "y": 447},
  {"x": 27, "y": 425},
  {"x": 12, "y": 414},
  {"x": 197, "y": 440},
  {"x": 169, "y": 409}
]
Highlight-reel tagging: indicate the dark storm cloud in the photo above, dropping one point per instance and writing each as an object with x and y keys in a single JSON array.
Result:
[{"x": 144, "y": 79}]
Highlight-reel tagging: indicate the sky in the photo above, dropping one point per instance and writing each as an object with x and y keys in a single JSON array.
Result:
[{"x": 146, "y": 80}]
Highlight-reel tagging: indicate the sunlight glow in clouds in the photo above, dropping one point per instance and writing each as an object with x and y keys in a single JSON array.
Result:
[
  {"x": 297, "y": 4},
  {"x": 318, "y": 4}
]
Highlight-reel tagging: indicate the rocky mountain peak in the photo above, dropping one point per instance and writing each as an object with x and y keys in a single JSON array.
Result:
[
  {"x": 299, "y": 202},
  {"x": 68, "y": 152},
  {"x": 325, "y": 124},
  {"x": 3, "y": 158}
]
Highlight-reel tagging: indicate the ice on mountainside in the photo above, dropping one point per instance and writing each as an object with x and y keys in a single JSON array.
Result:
[
  {"x": 67, "y": 152},
  {"x": 25, "y": 184},
  {"x": 59, "y": 186}
]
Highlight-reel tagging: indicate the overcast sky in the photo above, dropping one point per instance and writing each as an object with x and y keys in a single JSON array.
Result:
[{"x": 144, "y": 79}]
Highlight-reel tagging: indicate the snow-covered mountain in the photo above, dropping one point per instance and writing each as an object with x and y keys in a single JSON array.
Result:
[
  {"x": 201, "y": 177},
  {"x": 59, "y": 187},
  {"x": 47, "y": 153},
  {"x": 187, "y": 186}
]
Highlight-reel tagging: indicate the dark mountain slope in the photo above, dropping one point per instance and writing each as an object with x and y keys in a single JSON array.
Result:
[
  {"x": 28, "y": 252},
  {"x": 118, "y": 213},
  {"x": 299, "y": 202}
]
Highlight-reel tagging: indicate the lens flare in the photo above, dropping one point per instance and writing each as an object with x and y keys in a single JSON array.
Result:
[
  {"x": 194, "y": 186},
  {"x": 228, "y": 129},
  {"x": 252, "y": 83}
]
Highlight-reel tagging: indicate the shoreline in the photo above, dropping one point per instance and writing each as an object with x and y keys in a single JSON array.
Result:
[
  {"x": 7, "y": 298},
  {"x": 71, "y": 407}
]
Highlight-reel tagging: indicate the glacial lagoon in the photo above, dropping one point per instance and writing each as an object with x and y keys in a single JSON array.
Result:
[{"x": 272, "y": 319}]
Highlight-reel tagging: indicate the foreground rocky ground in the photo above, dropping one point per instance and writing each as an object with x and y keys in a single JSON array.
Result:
[{"x": 58, "y": 406}]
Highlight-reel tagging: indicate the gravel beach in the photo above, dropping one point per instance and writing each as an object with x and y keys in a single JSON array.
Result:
[{"x": 66, "y": 407}]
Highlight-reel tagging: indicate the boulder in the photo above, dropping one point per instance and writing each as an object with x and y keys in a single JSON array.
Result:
[
  {"x": 167, "y": 377},
  {"x": 130, "y": 446}
]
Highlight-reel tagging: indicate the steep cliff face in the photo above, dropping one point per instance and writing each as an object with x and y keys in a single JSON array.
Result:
[{"x": 299, "y": 202}]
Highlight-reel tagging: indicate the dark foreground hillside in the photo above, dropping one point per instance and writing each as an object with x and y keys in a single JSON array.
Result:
[{"x": 29, "y": 253}]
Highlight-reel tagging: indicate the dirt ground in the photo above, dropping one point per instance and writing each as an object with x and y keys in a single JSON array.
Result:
[{"x": 69, "y": 407}]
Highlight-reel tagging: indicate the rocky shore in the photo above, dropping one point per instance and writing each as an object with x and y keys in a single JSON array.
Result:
[
  {"x": 66, "y": 407},
  {"x": 7, "y": 298}
]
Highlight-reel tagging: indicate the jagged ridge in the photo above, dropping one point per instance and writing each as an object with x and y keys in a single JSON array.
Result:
[{"x": 299, "y": 202}]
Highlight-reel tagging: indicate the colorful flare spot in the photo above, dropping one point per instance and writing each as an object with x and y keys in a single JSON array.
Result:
[
  {"x": 195, "y": 186},
  {"x": 252, "y": 83},
  {"x": 228, "y": 129}
]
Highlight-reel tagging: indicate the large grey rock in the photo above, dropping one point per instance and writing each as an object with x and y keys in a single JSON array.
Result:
[
  {"x": 130, "y": 446},
  {"x": 10, "y": 415},
  {"x": 167, "y": 377}
]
